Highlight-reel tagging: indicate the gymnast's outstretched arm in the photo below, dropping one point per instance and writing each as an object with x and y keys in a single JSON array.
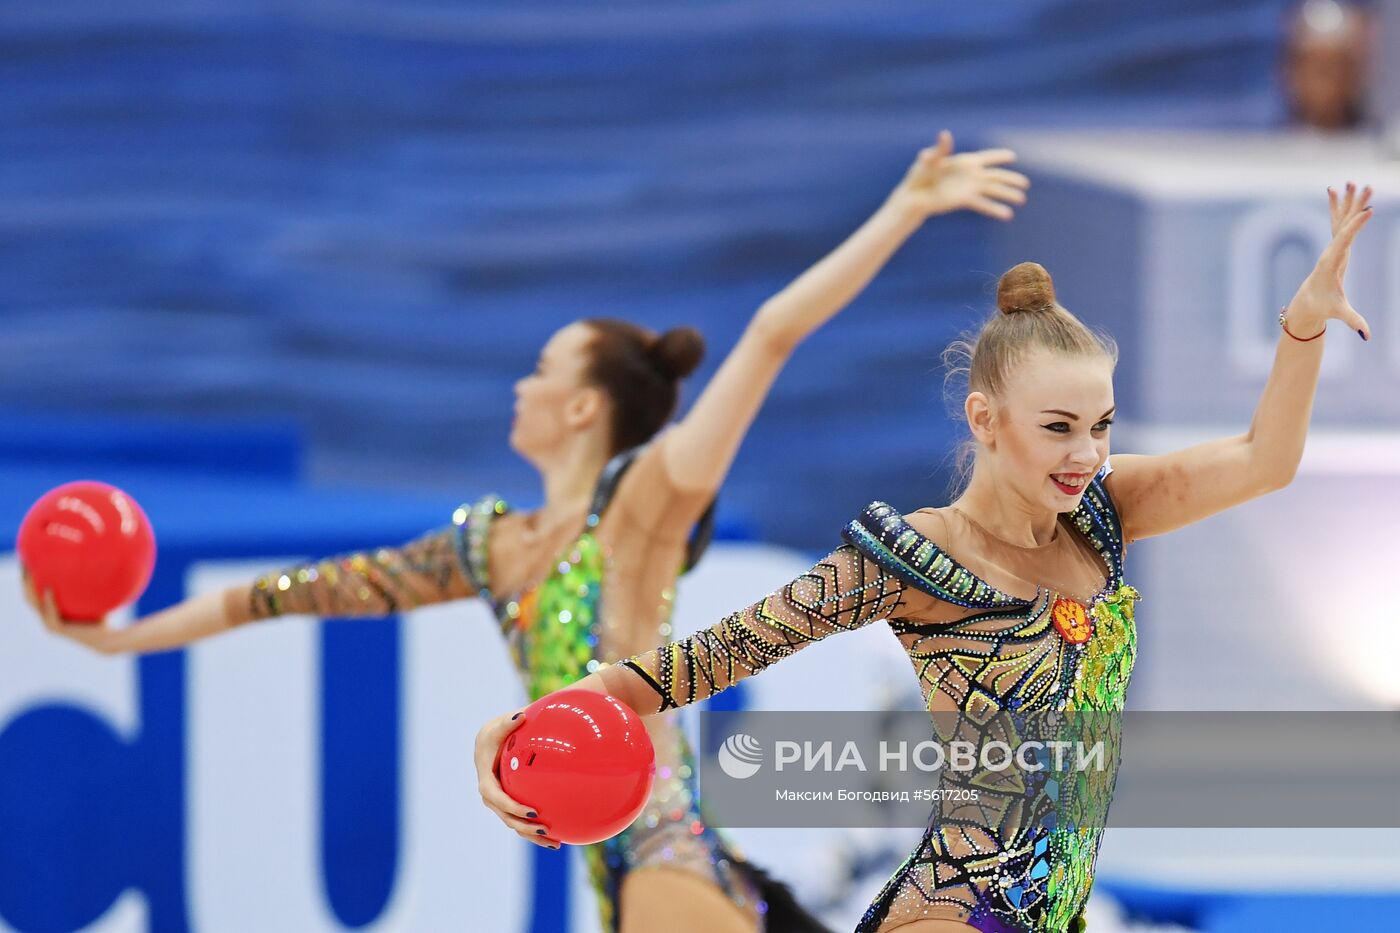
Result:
[
  {"x": 369, "y": 583},
  {"x": 698, "y": 451},
  {"x": 842, "y": 592},
  {"x": 1157, "y": 494}
]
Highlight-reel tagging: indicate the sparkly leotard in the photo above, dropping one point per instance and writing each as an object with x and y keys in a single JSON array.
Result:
[
  {"x": 558, "y": 629},
  {"x": 977, "y": 650}
]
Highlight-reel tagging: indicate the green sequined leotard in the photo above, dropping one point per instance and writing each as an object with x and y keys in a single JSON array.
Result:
[
  {"x": 979, "y": 651},
  {"x": 555, "y": 637},
  {"x": 556, "y": 632}
]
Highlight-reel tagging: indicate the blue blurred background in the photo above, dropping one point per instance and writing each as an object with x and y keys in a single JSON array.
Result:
[
  {"x": 273, "y": 268},
  {"x": 366, "y": 217}
]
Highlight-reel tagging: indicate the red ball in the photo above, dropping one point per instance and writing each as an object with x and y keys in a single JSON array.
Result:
[
  {"x": 583, "y": 761},
  {"x": 91, "y": 544}
]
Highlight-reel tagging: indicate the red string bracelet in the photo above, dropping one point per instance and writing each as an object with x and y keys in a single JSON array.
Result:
[{"x": 1282, "y": 322}]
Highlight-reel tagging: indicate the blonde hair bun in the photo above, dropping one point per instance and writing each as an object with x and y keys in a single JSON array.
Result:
[{"x": 1026, "y": 287}]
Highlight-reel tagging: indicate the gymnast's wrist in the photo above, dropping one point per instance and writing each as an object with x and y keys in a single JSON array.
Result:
[
  {"x": 903, "y": 208},
  {"x": 1301, "y": 327},
  {"x": 238, "y": 607}
]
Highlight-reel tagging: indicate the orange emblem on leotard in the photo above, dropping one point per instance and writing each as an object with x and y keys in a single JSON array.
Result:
[
  {"x": 526, "y": 609},
  {"x": 1072, "y": 620}
]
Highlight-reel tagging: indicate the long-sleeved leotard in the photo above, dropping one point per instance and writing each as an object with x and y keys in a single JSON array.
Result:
[
  {"x": 429, "y": 569},
  {"x": 622, "y": 566},
  {"x": 977, "y": 648}
]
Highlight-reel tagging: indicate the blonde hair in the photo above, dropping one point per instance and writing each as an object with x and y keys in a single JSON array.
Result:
[{"x": 1028, "y": 319}]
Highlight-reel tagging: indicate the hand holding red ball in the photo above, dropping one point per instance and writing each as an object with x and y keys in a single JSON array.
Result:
[
  {"x": 577, "y": 764},
  {"x": 86, "y": 548}
]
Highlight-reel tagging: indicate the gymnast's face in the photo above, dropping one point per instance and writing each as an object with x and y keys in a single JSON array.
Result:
[
  {"x": 554, "y": 403},
  {"x": 1048, "y": 435}
]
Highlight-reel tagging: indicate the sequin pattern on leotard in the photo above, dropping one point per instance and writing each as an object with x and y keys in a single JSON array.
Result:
[
  {"x": 1019, "y": 862},
  {"x": 556, "y": 634}
]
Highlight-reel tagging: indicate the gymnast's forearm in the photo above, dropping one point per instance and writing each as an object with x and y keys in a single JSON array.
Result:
[
  {"x": 833, "y": 282},
  {"x": 189, "y": 621},
  {"x": 622, "y": 683},
  {"x": 365, "y": 584},
  {"x": 1280, "y": 427}
]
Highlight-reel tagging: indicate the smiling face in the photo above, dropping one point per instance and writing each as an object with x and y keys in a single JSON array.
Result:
[
  {"x": 1046, "y": 435},
  {"x": 555, "y": 402}
]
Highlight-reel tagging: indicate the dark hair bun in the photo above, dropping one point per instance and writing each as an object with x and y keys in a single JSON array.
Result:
[
  {"x": 1026, "y": 287},
  {"x": 678, "y": 351}
]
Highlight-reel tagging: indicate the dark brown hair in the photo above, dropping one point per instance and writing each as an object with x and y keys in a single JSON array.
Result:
[
  {"x": 641, "y": 374},
  {"x": 1028, "y": 319}
]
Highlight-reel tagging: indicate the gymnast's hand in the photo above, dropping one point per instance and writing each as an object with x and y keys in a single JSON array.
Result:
[
  {"x": 1343, "y": 209},
  {"x": 940, "y": 182},
  {"x": 1321, "y": 296},
  {"x": 95, "y": 635},
  {"x": 516, "y": 816}
]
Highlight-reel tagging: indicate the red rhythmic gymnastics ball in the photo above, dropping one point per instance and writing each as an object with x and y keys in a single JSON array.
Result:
[
  {"x": 583, "y": 761},
  {"x": 91, "y": 544}
]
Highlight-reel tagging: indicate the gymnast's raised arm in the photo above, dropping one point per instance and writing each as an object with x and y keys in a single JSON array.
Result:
[
  {"x": 698, "y": 451},
  {"x": 1157, "y": 494}
]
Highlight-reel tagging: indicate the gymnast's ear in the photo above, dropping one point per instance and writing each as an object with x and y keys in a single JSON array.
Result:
[
  {"x": 981, "y": 418},
  {"x": 587, "y": 406}
]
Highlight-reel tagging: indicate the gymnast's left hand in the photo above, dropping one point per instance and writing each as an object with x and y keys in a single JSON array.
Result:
[
  {"x": 515, "y": 815},
  {"x": 1321, "y": 296},
  {"x": 97, "y": 636},
  {"x": 940, "y": 182}
]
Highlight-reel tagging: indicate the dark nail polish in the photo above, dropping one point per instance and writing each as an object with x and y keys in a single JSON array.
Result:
[
  {"x": 532, "y": 814},
  {"x": 516, "y": 716},
  {"x": 539, "y": 832},
  {"x": 1363, "y": 335}
]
